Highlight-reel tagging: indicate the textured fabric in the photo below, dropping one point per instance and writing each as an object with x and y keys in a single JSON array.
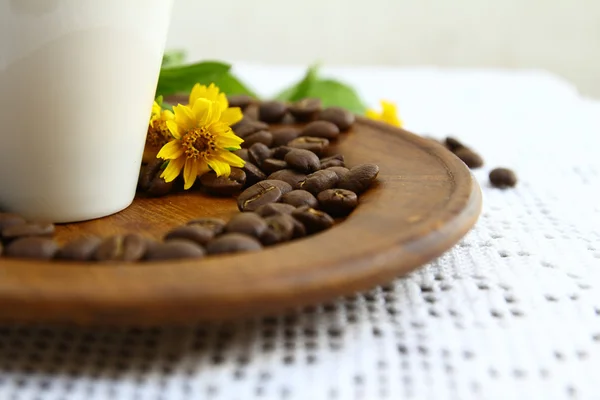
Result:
[{"x": 511, "y": 312}]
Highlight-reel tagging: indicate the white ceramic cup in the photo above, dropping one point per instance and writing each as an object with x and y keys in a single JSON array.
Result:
[{"x": 77, "y": 81}]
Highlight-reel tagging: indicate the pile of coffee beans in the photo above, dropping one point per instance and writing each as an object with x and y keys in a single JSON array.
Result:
[{"x": 292, "y": 186}]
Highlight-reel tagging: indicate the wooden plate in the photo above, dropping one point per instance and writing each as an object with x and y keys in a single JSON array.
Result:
[{"x": 425, "y": 200}]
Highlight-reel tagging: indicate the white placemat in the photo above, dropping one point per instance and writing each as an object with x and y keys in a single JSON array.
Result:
[{"x": 512, "y": 312}]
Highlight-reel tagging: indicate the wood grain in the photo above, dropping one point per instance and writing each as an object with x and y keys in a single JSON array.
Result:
[{"x": 425, "y": 200}]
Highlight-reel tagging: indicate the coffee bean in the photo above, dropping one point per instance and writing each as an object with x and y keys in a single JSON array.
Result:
[
  {"x": 280, "y": 228},
  {"x": 332, "y": 163},
  {"x": 81, "y": 249},
  {"x": 453, "y": 144},
  {"x": 239, "y": 100},
  {"x": 293, "y": 178},
  {"x": 299, "y": 198},
  {"x": 224, "y": 185},
  {"x": 274, "y": 208},
  {"x": 316, "y": 145},
  {"x": 248, "y": 223},
  {"x": 341, "y": 117},
  {"x": 503, "y": 178},
  {"x": 151, "y": 182},
  {"x": 271, "y": 165},
  {"x": 148, "y": 173},
  {"x": 176, "y": 249},
  {"x": 248, "y": 126},
  {"x": 263, "y": 137},
  {"x": 258, "y": 153},
  {"x": 321, "y": 180},
  {"x": 26, "y": 230},
  {"x": 253, "y": 174},
  {"x": 257, "y": 195},
  {"x": 39, "y": 248},
  {"x": 233, "y": 243},
  {"x": 303, "y": 160},
  {"x": 131, "y": 247},
  {"x": 299, "y": 229},
  {"x": 194, "y": 233},
  {"x": 283, "y": 136},
  {"x": 359, "y": 178},
  {"x": 339, "y": 171},
  {"x": 337, "y": 202},
  {"x": 280, "y": 152},
  {"x": 321, "y": 129},
  {"x": 281, "y": 185},
  {"x": 216, "y": 225},
  {"x": 313, "y": 220},
  {"x": 469, "y": 157},
  {"x": 305, "y": 109},
  {"x": 272, "y": 111},
  {"x": 8, "y": 219},
  {"x": 243, "y": 154}
]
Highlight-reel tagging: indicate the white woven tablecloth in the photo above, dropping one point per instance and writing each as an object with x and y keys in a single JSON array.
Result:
[{"x": 512, "y": 312}]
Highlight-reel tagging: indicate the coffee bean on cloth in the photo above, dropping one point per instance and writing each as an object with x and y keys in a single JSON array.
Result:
[{"x": 503, "y": 178}]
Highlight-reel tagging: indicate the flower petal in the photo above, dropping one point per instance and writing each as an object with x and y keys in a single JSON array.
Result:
[
  {"x": 202, "y": 111},
  {"x": 231, "y": 115},
  {"x": 171, "y": 150},
  {"x": 230, "y": 158},
  {"x": 220, "y": 167},
  {"x": 173, "y": 169},
  {"x": 190, "y": 172},
  {"x": 184, "y": 117},
  {"x": 197, "y": 92},
  {"x": 227, "y": 142},
  {"x": 174, "y": 129}
]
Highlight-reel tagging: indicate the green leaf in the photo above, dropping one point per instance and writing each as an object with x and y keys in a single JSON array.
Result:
[
  {"x": 181, "y": 79},
  {"x": 231, "y": 85},
  {"x": 159, "y": 100},
  {"x": 231, "y": 148},
  {"x": 301, "y": 89},
  {"x": 173, "y": 58},
  {"x": 336, "y": 93}
]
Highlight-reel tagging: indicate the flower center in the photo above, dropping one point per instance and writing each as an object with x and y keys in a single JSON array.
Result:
[{"x": 198, "y": 142}]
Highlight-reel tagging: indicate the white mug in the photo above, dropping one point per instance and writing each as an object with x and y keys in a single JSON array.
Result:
[{"x": 77, "y": 82}]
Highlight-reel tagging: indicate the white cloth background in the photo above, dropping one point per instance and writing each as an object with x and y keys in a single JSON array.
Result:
[{"x": 511, "y": 312}]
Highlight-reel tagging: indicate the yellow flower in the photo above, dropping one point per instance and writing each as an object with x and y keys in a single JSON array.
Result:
[
  {"x": 158, "y": 134},
  {"x": 203, "y": 140},
  {"x": 389, "y": 114},
  {"x": 210, "y": 92}
]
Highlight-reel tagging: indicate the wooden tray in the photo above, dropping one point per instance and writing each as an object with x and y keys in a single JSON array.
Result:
[{"x": 424, "y": 202}]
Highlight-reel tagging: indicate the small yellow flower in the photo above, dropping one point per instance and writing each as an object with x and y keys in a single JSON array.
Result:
[
  {"x": 203, "y": 140},
  {"x": 210, "y": 92},
  {"x": 388, "y": 114},
  {"x": 158, "y": 134}
]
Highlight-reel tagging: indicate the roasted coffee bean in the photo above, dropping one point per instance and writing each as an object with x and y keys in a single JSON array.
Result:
[
  {"x": 263, "y": 137},
  {"x": 257, "y": 195},
  {"x": 248, "y": 126},
  {"x": 194, "y": 233},
  {"x": 453, "y": 144},
  {"x": 39, "y": 248},
  {"x": 313, "y": 220},
  {"x": 303, "y": 160},
  {"x": 316, "y": 145},
  {"x": 233, "y": 243},
  {"x": 319, "y": 181},
  {"x": 283, "y": 136},
  {"x": 176, "y": 249},
  {"x": 271, "y": 165},
  {"x": 339, "y": 171},
  {"x": 259, "y": 152},
  {"x": 359, "y": 178},
  {"x": 8, "y": 219},
  {"x": 305, "y": 109},
  {"x": 281, "y": 185},
  {"x": 272, "y": 111},
  {"x": 298, "y": 198},
  {"x": 503, "y": 178},
  {"x": 253, "y": 174},
  {"x": 293, "y": 178},
  {"x": 332, "y": 163},
  {"x": 148, "y": 172},
  {"x": 224, "y": 185},
  {"x": 280, "y": 228},
  {"x": 299, "y": 229},
  {"x": 341, "y": 117},
  {"x": 239, "y": 100},
  {"x": 26, "y": 230},
  {"x": 151, "y": 182},
  {"x": 469, "y": 157},
  {"x": 159, "y": 187},
  {"x": 274, "y": 208},
  {"x": 131, "y": 247},
  {"x": 337, "y": 202},
  {"x": 216, "y": 225},
  {"x": 243, "y": 154},
  {"x": 81, "y": 249},
  {"x": 280, "y": 152},
  {"x": 248, "y": 223},
  {"x": 321, "y": 129}
]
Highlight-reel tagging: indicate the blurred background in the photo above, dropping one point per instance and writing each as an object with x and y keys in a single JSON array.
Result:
[{"x": 560, "y": 36}]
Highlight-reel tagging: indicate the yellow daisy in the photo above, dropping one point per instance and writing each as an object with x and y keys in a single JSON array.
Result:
[
  {"x": 203, "y": 140},
  {"x": 158, "y": 134},
  {"x": 388, "y": 114}
]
